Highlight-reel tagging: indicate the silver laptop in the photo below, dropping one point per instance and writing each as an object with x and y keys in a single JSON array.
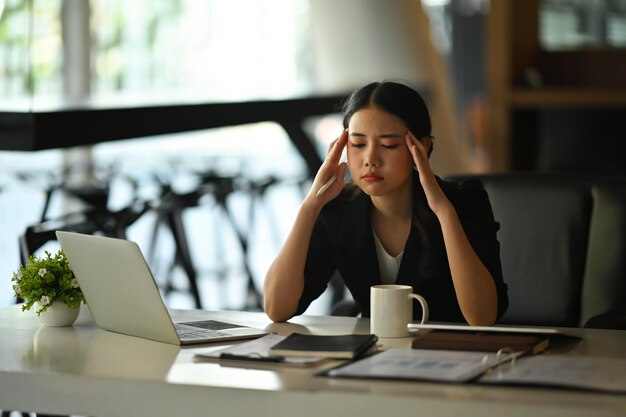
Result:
[{"x": 124, "y": 298}]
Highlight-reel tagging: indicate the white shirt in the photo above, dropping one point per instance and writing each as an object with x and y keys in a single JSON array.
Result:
[{"x": 389, "y": 265}]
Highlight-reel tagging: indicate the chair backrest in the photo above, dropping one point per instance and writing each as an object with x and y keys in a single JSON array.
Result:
[
  {"x": 604, "y": 288},
  {"x": 544, "y": 229}
]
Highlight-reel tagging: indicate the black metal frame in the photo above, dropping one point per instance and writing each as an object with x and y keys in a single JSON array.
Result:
[{"x": 68, "y": 127}]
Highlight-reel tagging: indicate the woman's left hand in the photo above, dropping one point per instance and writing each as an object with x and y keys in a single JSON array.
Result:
[{"x": 437, "y": 200}]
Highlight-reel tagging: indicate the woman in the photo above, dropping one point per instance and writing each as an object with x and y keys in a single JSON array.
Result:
[{"x": 397, "y": 223}]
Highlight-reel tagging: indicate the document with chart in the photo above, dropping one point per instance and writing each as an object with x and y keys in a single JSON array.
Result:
[{"x": 422, "y": 364}]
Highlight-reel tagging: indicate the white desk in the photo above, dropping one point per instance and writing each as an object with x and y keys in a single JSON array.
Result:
[{"x": 83, "y": 370}]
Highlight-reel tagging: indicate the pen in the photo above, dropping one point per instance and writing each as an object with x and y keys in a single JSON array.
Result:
[
  {"x": 275, "y": 359},
  {"x": 326, "y": 186}
]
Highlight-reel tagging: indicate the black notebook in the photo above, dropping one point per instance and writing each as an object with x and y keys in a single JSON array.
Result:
[{"x": 341, "y": 347}]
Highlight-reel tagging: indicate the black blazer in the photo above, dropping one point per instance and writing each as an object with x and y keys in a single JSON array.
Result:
[{"x": 343, "y": 241}]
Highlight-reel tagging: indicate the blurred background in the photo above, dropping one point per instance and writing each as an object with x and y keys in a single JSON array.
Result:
[{"x": 224, "y": 109}]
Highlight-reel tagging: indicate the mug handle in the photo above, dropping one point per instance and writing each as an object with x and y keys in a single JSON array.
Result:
[{"x": 424, "y": 304}]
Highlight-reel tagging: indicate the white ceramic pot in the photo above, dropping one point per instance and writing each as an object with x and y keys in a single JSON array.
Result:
[{"x": 58, "y": 314}]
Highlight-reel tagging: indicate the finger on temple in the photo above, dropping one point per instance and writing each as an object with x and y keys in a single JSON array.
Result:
[{"x": 334, "y": 142}]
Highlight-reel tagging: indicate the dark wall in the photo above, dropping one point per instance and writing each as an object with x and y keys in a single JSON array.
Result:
[{"x": 584, "y": 141}]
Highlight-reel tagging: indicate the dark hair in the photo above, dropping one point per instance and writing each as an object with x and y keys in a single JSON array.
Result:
[
  {"x": 394, "y": 98},
  {"x": 407, "y": 104}
]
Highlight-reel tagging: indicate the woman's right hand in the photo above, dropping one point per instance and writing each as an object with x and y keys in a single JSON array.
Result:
[
  {"x": 284, "y": 281},
  {"x": 330, "y": 167}
]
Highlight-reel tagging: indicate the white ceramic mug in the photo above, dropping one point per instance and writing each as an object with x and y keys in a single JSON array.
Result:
[{"x": 391, "y": 309}]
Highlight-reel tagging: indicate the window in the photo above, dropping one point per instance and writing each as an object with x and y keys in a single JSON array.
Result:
[
  {"x": 30, "y": 48},
  {"x": 581, "y": 24},
  {"x": 220, "y": 50}
]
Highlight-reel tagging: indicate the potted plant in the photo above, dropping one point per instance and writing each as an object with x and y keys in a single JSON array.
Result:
[{"x": 49, "y": 284}]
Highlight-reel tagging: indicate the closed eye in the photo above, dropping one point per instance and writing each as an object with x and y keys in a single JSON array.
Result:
[
  {"x": 357, "y": 145},
  {"x": 390, "y": 146}
]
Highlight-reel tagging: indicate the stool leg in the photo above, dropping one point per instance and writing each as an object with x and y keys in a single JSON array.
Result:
[
  {"x": 253, "y": 296},
  {"x": 220, "y": 255},
  {"x": 160, "y": 218},
  {"x": 183, "y": 254}
]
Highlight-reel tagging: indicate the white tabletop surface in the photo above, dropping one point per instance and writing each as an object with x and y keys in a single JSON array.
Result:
[{"x": 82, "y": 370}]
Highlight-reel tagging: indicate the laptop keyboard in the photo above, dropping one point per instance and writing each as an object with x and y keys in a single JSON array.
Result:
[
  {"x": 206, "y": 329},
  {"x": 211, "y": 324},
  {"x": 187, "y": 332}
]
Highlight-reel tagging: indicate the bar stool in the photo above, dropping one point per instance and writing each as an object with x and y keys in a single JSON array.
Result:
[
  {"x": 92, "y": 221},
  {"x": 170, "y": 207},
  {"x": 221, "y": 188},
  {"x": 169, "y": 214},
  {"x": 95, "y": 194},
  {"x": 257, "y": 190}
]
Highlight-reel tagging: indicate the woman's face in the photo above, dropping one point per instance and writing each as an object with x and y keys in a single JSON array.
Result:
[{"x": 378, "y": 158}]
